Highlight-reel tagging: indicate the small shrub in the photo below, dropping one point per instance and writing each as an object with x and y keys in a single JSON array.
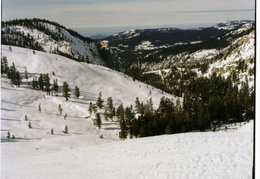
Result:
[
  {"x": 30, "y": 125},
  {"x": 65, "y": 130},
  {"x": 8, "y": 135}
]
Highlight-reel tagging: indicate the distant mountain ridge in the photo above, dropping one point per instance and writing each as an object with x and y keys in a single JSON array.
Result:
[{"x": 129, "y": 40}]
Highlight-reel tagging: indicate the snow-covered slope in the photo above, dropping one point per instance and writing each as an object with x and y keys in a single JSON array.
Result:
[
  {"x": 236, "y": 58},
  {"x": 91, "y": 79},
  {"x": 220, "y": 155},
  {"x": 52, "y": 38}
]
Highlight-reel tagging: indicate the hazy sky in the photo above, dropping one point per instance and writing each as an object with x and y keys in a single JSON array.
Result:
[{"x": 97, "y": 16}]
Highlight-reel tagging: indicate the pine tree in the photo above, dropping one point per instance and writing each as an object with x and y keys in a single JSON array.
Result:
[
  {"x": 94, "y": 108},
  {"x": 121, "y": 117},
  {"x": 39, "y": 108},
  {"x": 18, "y": 79},
  {"x": 47, "y": 84},
  {"x": 52, "y": 132},
  {"x": 99, "y": 100},
  {"x": 98, "y": 120},
  {"x": 66, "y": 90},
  {"x": 30, "y": 125},
  {"x": 110, "y": 108},
  {"x": 137, "y": 105},
  {"x": 25, "y": 118},
  {"x": 8, "y": 135},
  {"x": 41, "y": 82},
  {"x": 65, "y": 130},
  {"x": 4, "y": 66},
  {"x": 35, "y": 84},
  {"x": 77, "y": 92},
  {"x": 60, "y": 108},
  {"x": 55, "y": 86},
  {"x": 90, "y": 108},
  {"x": 65, "y": 116}
]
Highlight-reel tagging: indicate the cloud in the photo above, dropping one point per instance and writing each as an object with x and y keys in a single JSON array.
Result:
[{"x": 108, "y": 13}]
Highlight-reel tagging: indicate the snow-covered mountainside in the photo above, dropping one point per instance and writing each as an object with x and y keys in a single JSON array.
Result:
[
  {"x": 232, "y": 53},
  {"x": 91, "y": 79},
  {"x": 51, "y": 37}
]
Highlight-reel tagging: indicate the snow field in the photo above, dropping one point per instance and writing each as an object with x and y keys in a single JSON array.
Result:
[{"x": 190, "y": 155}]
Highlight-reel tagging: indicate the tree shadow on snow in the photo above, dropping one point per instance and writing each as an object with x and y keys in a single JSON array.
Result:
[
  {"x": 4, "y": 109},
  {"x": 7, "y": 119},
  {"x": 110, "y": 126},
  {"x": 16, "y": 139}
]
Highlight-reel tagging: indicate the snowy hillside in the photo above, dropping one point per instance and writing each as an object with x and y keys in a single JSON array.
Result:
[
  {"x": 51, "y": 37},
  {"x": 236, "y": 58},
  {"x": 91, "y": 79}
]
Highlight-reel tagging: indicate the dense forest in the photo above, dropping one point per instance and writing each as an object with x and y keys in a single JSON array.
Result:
[{"x": 207, "y": 104}]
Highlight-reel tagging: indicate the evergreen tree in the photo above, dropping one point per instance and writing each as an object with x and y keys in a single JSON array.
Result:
[
  {"x": 55, "y": 85},
  {"x": 110, "y": 108},
  {"x": 35, "y": 84},
  {"x": 66, "y": 90},
  {"x": 65, "y": 130},
  {"x": 30, "y": 125},
  {"x": 77, "y": 92},
  {"x": 90, "y": 108},
  {"x": 60, "y": 108},
  {"x": 98, "y": 121},
  {"x": 94, "y": 108},
  {"x": 17, "y": 79},
  {"x": 47, "y": 84},
  {"x": 41, "y": 82},
  {"x": 14, "y": 75},
  {"x": 65, "y": 116},
  {"x": 4, "y": 65},
  {"x": 137, "y": 105},
  {"x": 121, "y": 117},
  {"x": 39, "y": 108},
  {"x": 52, "y": 132},
  {"x": 8, "y": 135},
  {"x": 25, "y": 118},
  {"x": 99, "y": 100}
]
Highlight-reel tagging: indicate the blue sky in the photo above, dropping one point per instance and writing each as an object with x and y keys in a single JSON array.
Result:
[{"x": 102, "y": 16}]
